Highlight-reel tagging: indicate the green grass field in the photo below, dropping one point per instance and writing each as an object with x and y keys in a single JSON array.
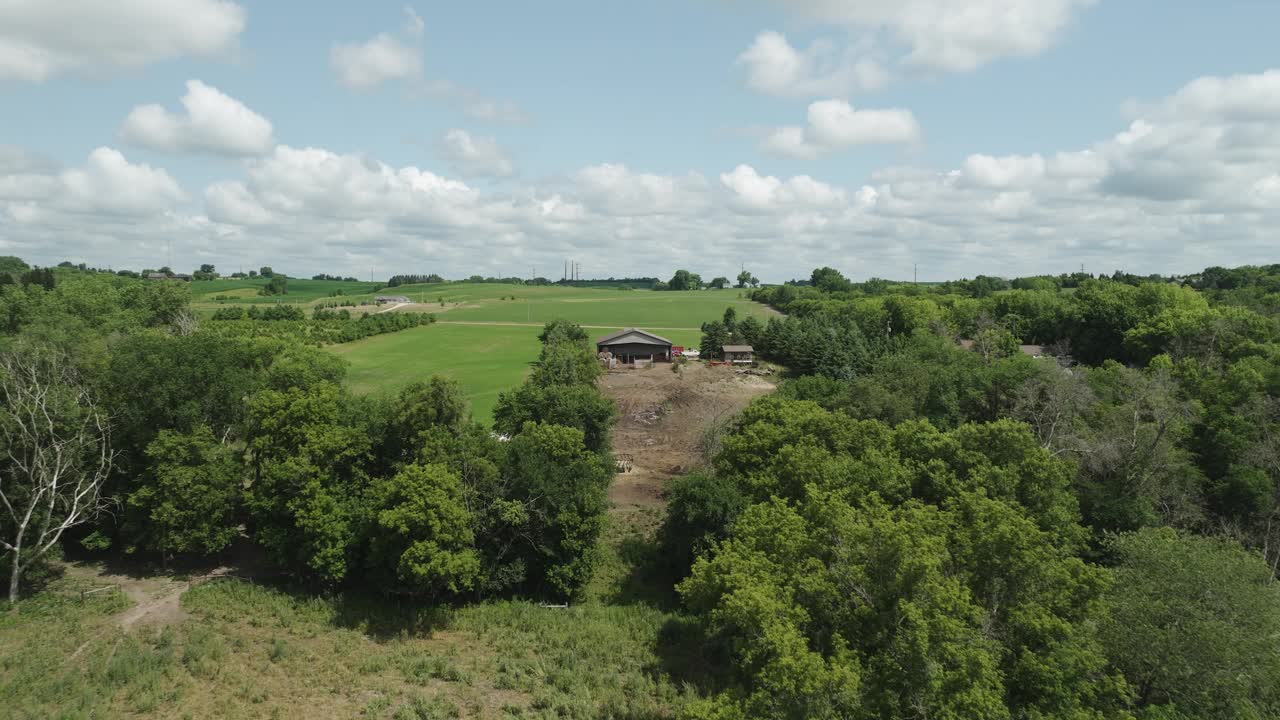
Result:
[
  {"x": 207, "y": 292},
  {"x": 486, "y": 342},
  {"x": 484, "y": 359}
]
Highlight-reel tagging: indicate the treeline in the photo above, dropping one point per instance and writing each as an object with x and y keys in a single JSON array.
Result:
[
  {"x": 168, "y": 439},
  {"x": 326, "y": 326},
  {"x": 914, "y": 527},
  {"x": 398, "y": 280},
  {"x": 729, "y": 330},
  {"x": 610, "y": 282}
]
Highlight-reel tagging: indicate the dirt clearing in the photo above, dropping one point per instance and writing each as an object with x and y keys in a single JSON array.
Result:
[{"x": 666, "y": 420}]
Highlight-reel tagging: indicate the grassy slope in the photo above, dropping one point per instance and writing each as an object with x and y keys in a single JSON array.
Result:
[
  {"x": 487, "y": 359},
  {"x": 204, "y": 292},
  {"x": 258, "y": 651}
]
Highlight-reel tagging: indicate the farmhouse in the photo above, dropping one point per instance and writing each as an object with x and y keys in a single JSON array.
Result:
[
  {"x": 391, "y": 299},
  {"x": 631, "y": 344},
  {"x": 742, "y": 354}
]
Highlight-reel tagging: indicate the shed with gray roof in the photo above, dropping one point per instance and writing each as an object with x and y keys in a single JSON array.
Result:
[{"x": 631, "y": 344}]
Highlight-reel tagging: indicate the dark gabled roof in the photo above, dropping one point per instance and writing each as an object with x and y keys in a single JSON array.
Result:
[
  {"x": 628, "y": 331},
  {"x": 738, "y": 348}
]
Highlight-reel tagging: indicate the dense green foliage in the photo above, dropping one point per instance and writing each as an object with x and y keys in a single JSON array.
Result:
[
  {"x": 1194, "y": 625},
  {"x": 1051, "y": 497},
  {"x": 323, "y": 328},
  {"x": 239, "y": 427},
  {"x": 929, "y": 520}
]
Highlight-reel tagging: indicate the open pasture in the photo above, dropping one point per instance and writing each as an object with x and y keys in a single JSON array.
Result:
[{"x": 486, "y": 342}]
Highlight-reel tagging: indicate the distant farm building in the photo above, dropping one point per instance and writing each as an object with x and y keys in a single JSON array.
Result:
[
  {"x": 631, "y": 345},
  {"x": 391, "y": 299},
  {"x": 740, "y": 354},
  {"x": 161, "y": 276}
]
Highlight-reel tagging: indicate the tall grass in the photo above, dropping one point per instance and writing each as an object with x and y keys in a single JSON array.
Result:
[{"x": 251, "y": 650}]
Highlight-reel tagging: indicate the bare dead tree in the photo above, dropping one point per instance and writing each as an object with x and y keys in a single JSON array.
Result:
[
  {"x": 1053, "y": 404},
  {"x": 55, "y": 456},
  {"x": 185, "y": 323}
]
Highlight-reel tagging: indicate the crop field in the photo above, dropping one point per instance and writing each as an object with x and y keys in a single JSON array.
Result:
[{"x": 485, "y": 340}]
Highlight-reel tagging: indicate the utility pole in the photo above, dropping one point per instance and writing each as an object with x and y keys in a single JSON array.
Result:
[{"x": 915, "y": 273}]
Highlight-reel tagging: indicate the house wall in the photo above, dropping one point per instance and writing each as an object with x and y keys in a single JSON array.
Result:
[{"x": 627, "y": 350}]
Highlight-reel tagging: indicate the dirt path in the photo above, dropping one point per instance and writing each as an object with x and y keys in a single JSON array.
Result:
[
  {"x": 666, "y": 421},
  {"x": 156, "y": 598},
  {"x": 392, "y": 308}
]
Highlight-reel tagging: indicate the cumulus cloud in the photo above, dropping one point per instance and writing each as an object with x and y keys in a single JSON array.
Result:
[
  {"x": 774, "y": 67},
  {"x": 835, "y": 125},
  {"x": 887, "y": 37},
  {"x": 951, "y": 35},
  {"x": 43, "y": 38},
  {"x": 106, "y": 208},
  {"x": 1003, "y": 172},
  {"x": 1190, "y": 182},
  {"x": 475, "y": 155},
  {"x": 111, "y": 184},
  {"x": 617, "y": 190},
  {"x": 383, "y": 58},
  {"x": 388, "y": 57},
  {"x": 213, "y": 123}
]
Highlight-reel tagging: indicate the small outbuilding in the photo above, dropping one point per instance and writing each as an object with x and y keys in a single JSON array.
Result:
[
  {"x": 739, "y": 354},
  {"x": 632, "y": 344},
  {"x": 391, "y": 299}
]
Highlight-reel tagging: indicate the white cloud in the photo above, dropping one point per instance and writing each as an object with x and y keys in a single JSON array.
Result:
[
  {"x": 753, "y": 191},
  {"x": 474, "y": 155},
  {"x": 214, "y": 123},
  {"x": 951, "y": 35},
  {"x": 617, "y": 190},
  {"x": 835, "y": 125},
  {"x": 1004, "y": 172},
  {"x": 1185, "y": 186},
  {"x": 110, "y": 183},
  {"x": 774, "y": 67},
  {"x": 387, "y": 58},
  {"x": 381, "y": 59},
  {"x": 43, "y": 208},
  {"x": 413, "y": 23},
  {"x": 43, "y": 38},
  {"x": 890, "y": 37}
]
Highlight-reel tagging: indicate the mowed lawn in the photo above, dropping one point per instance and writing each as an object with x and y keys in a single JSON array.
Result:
[
  {"x": 484, "y": 360},
  {"x": 486, "y": 343}
]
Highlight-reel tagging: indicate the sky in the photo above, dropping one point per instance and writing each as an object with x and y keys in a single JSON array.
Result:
[{"x": 945, "y": 138}]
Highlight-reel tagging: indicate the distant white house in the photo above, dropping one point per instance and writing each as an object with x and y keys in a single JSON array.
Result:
[{"x": 391, "y": 299}]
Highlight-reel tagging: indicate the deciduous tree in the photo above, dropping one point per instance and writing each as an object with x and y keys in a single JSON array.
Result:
[{"x": 57, "y": 454}]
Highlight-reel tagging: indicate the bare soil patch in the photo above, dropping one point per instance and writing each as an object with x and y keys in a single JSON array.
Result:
[
  {"x": 155, "y": 597},
  {"x": 666, "y": 421}
]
